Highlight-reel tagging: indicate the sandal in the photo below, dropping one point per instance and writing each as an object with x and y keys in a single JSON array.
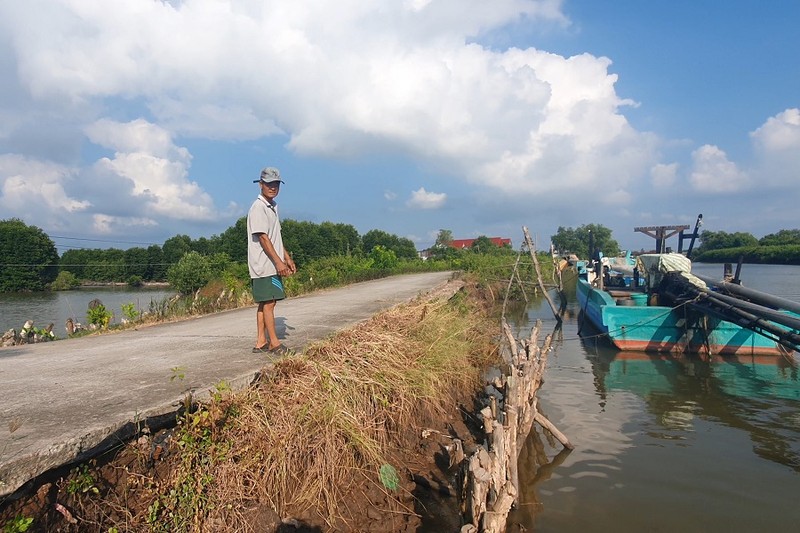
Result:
[{"x": 262, "y": 349}]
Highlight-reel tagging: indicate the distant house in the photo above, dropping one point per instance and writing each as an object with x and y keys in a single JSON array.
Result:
[
  {"x": 461, "y": 244},
  {"x": 467, "y": 243}
]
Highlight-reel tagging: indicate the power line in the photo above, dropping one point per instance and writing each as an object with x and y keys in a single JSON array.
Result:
[
  {"x": 107, "y": 265},
  {"x": 101, "y": 240},
  {"x": 89, "y": 265}
]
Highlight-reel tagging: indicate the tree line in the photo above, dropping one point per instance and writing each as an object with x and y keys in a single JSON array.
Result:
[
  {"x": 780, "y": 248},
  {"x": 29, "y": 259}
]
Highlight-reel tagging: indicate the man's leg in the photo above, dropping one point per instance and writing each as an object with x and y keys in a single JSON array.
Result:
[
  {"x": 261, "y": 337},
  {"x": 269, "y": 323}
]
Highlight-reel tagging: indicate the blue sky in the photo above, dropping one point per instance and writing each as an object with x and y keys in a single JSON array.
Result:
[{"x": 133, "y": 121}]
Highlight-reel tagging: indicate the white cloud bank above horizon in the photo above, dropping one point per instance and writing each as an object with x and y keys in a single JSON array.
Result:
[{"x": 339, "y": 80}]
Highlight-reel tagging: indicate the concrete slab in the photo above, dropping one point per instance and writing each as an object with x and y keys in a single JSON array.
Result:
[{"x": 65, "y": 401}]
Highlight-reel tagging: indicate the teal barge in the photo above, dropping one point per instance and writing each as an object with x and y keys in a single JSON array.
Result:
[{"x": 639, "y": 316}]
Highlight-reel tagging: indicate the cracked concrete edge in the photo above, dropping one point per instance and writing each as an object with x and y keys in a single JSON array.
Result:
[{"x": 28, "y": 467}]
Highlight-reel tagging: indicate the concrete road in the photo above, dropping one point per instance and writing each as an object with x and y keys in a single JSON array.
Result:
[{"x": 67, "y": 400}]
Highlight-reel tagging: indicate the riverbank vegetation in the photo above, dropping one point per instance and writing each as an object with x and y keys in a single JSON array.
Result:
[
  {"x": 781, "y": 248},
  {"x": 208, "y": 278},
  {"x": 331, "y": 438},
  {"x": 326, "y": 254}
]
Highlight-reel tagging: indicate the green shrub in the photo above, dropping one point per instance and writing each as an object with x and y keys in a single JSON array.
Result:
[
  {"x": 130, "y": 312},
  {"x": 99, "y": 316},
  {"x": 135, "y": 281},
  {"x": 190, "y": 273},
  {"x": 64, "y": 281},
  {"x": 382, "y": 258},
  {"x": 219, "y": 263}
]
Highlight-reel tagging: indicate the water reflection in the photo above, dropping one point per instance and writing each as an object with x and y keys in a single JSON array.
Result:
[
  {"x": 744, "y": 393},
  {"x": 692, "y": 444}
]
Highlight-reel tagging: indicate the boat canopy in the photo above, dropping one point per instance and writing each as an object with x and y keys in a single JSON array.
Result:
[{"x": 654, "y": 266}]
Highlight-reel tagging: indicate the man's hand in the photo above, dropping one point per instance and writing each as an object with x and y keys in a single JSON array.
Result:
[
  {"x": 283, "y": 269},
  {"x": 290, "y": 263}
]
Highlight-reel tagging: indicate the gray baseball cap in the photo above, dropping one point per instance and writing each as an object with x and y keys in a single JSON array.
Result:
[{"x": 270, "y": 174}]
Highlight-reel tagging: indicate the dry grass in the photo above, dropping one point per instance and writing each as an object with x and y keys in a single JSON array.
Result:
[{"x": 321, "y": 422}]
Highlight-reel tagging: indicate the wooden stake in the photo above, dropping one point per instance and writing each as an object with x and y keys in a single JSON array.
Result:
[
  {"x": 491, "y": 474},
  {"x": 532, "y": 250}
]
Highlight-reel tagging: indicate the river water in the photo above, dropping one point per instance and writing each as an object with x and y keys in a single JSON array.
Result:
[
  {"x": 55, "y": 307},
  {"x": 663, "y": 443}
]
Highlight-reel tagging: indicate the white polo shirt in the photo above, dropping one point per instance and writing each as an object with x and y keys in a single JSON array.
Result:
[{"x": 263, "y": 218}]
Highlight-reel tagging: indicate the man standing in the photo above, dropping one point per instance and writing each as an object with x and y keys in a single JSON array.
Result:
[{"x": 267, "y": 260}]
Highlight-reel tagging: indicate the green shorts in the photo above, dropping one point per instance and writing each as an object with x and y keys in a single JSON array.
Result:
[{"x": 268, "y": 289}]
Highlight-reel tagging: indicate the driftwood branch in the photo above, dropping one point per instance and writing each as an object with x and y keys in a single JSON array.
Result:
[{"x": 549, "y": 426}]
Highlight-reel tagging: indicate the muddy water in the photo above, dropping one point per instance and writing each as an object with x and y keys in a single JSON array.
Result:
[{"x": 664, "y": 443}]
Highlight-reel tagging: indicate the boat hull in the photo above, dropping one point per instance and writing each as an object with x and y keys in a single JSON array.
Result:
[{"x": 663, "y": 329}]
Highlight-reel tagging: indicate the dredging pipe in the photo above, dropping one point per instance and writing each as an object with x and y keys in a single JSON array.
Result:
[
  {"x": 759, "y": 310},
  {"x": 762, "y": 298},
  {"x": 762, "y": 326},
  {"x": 764, "y": 321}
]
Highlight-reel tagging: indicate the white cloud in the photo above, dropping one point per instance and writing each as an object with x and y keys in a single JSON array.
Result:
[
  {"x": 156, "y": 167},
  {"x": 106, "y": 224},
  {"x": 389, "y": 195},
  {"x": 616, "y": 197},
  {"x": 422, "y": 199},
  {"x": 779, "y": 133},
  {"x": 339, "y": 78},
  {"x": 777, "y": 145},
  {"x": 712, "y": 172},
  {"x": 335, "y": 80},
  {"x": 34, "y": 189},
  {"x": 664, "y": 176}
]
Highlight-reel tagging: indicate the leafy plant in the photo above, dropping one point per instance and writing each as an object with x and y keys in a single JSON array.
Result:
[
  {"x": 130, "y": 312},
  {"x": 389, "y": 477},
  {"x": 99, "y": 316},
  {"x": 18, "y": 524},
  {"x": 178, "y": 372},
  {"x": 220, "y": 389},
  {"x": 188, "y": 498},
  {"x": 82, "y": 481}
]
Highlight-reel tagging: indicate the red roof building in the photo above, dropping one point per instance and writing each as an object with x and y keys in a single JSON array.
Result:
[{"x": 467, "y": 243}]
